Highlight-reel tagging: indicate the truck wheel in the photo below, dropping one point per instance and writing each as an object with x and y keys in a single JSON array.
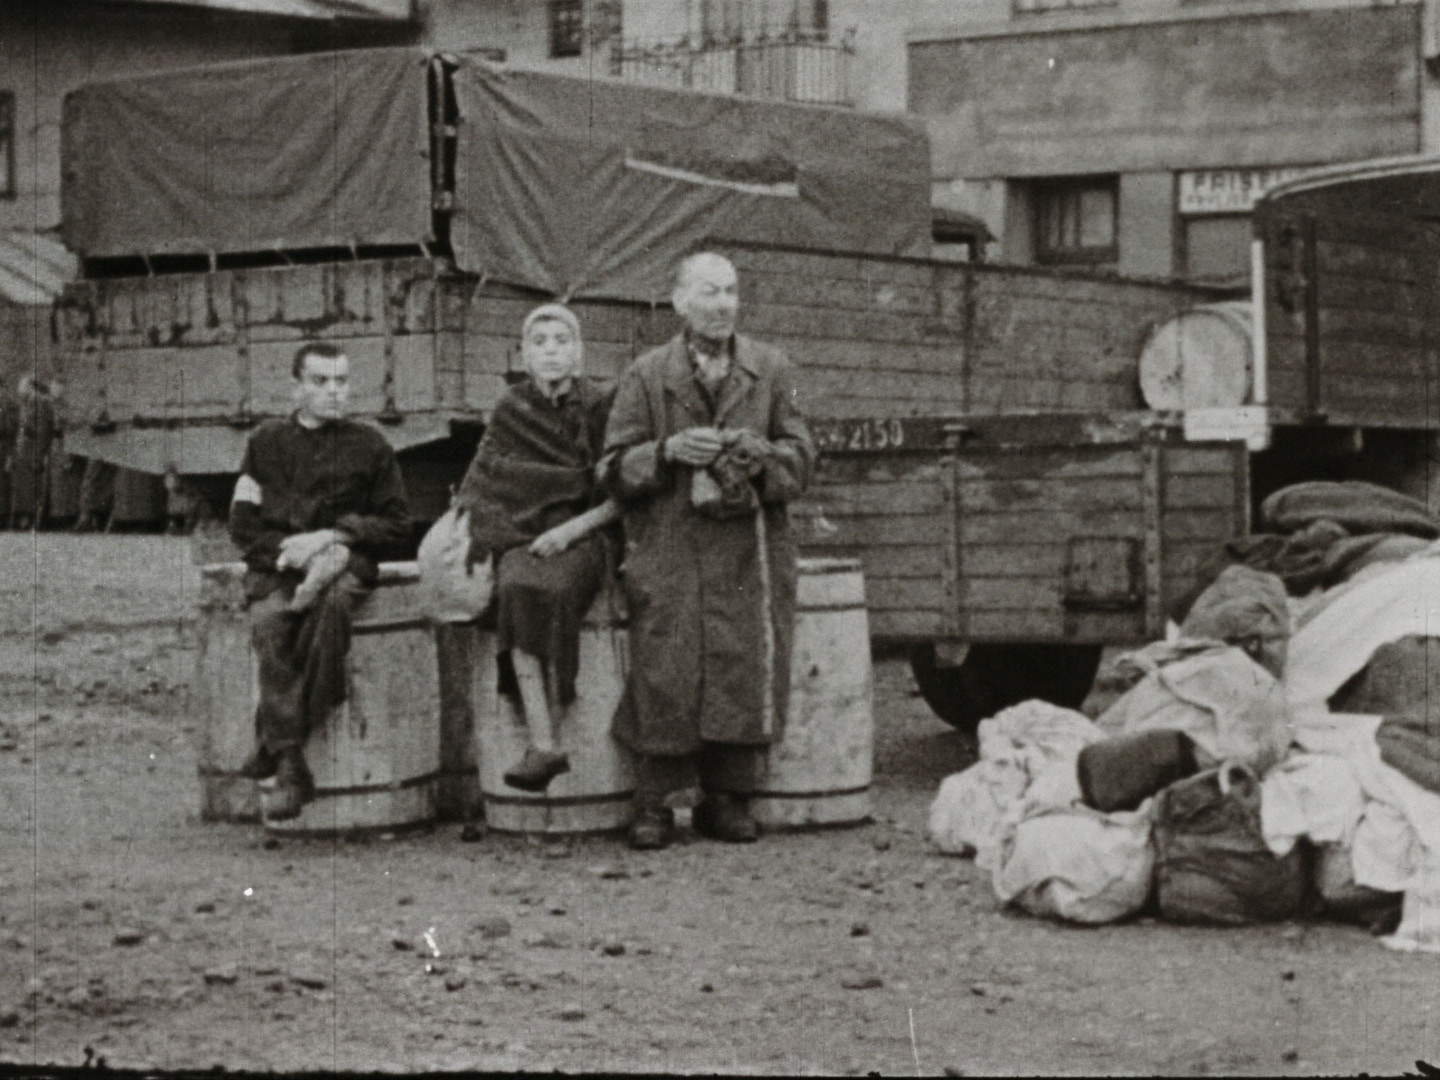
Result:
[{"x": 995, "y": 676}]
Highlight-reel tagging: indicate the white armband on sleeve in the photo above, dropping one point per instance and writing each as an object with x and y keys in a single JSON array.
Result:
[{"x": 246, "y": 491}]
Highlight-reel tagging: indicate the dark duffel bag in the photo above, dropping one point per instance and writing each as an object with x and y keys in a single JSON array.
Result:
[
  {"x": 1122, "y": 772},
  {"x": 1211, "y": 862}
]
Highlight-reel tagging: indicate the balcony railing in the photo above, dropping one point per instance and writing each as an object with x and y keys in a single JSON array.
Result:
[{"x": 793, "y": 66}]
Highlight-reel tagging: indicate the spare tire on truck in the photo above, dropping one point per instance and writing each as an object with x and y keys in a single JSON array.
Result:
[{"x": 994, "y": 676}]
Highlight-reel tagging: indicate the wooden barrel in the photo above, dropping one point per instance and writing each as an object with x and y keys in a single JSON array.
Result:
[
  {"x": 376, "y": 761},
  {"x": 224, "y": 694},
  {"x": 597, "y": 794},
  {"x": 820, "y": 771},
  {"x": 457, "y": 796},
  {"x": 1199, "y": 359}
]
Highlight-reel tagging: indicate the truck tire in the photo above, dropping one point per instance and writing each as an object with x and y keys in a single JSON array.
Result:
[{"x": 995, "y": 676}]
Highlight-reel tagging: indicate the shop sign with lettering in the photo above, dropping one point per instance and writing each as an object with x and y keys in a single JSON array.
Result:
[{"x": 1228, "y": 191}]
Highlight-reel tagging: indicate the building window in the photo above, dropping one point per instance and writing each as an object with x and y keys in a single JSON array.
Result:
[
  {"x": 567, "y": 28},
  {"x": 7, "y": 145},
  {"x": 1075, "y": 219}
]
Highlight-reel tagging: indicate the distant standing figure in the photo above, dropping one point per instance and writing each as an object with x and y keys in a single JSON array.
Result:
[
  {"x": 318, "y": 504},
  {"x": 97, "y": 495},
  {"x": 35, "y": 429},
  {"x": 9, "y": 421},
  {"x": 535, "y": 505},
  {"x": 704, "y": 448}
]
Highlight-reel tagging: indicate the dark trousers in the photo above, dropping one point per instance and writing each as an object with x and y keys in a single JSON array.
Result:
[
  {"x": 302, "y": 660},
  {"x": 717, "y": 768}
]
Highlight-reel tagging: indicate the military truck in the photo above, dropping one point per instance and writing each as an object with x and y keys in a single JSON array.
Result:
[{"x": 988, "y": 453}]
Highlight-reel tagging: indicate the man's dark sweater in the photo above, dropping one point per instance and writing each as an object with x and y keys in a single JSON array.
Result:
[{"x": 341, "y": 475}]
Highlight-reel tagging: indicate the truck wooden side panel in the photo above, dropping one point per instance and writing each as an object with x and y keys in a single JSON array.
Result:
[
  {"x": 1028, "y": 543},
  {"x": 1351, "y": 309},
  {"x": 875, "y": 337}
]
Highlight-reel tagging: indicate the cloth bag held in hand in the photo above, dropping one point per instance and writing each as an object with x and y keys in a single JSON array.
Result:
[{"x": 452, "y": 589}]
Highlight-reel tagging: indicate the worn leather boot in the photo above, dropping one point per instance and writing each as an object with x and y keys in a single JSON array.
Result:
[
  {"x": 260, "y": 765},
  {"x": 536, "y": 769},
  {"x": 722, "y": 816},
  {"x": 653, "y": 829},
  {"x": 291, "y": 788}
]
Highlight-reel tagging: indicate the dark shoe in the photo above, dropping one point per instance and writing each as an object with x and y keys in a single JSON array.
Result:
[
  {"x": 291, "y": 788},
  {"x": 725, "y": 817},
  {"x": 260, "y": 765},
  {"x": 653, "y": 829},
  {"x": 536, "y": 769}
]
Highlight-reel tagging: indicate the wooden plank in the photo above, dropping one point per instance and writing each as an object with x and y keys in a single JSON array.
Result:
[
  {"x": 1060, "y": 463},
  {"x": 1014, "y": 560},
  {"x": 1365, "y": 359},
  {"x": 1023, "y": 528},
  {"x": 766, "y": 320},
  {"x": 896, "y": 562},
  {"x": 894, "y": 529},
  {"x": 1199, "y": 492},
  {"x": 853, "y": 294},
  {"x": 1047, "y": 495},
  {"x": 1373, "y": 327},
  {"x": 171, "y": 382},
  {"x": 902, "y": 594},
  {"x": 1370, "y": 292},
  {"x": 918, "y": 468},
  {"x": 837, "y": 500},
  {"x": 1041, "y": 626},
  {"x": 1189, "y": 459},
  {"x": 1351, "y": 255},
  {"x": 938, "y": 392},
  {"x": 906, "y": 625},
  {"x": 1012, "y": 594},
  {"x": 942, "y": 359},
  {"x": 1214, "y": 525}
]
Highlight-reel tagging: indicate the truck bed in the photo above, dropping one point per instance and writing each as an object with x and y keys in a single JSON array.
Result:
[{"x": 1025, "y": 528}]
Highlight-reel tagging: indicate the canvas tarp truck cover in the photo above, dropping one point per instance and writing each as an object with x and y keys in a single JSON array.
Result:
[
  {"x": 595, "y": 187},
  {"x": 323, "y": 150}
]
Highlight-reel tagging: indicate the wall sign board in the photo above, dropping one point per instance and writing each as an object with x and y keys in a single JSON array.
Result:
[{"x": 1227, "y": 191}]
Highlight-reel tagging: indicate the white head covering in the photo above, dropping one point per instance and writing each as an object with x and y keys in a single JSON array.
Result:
[{"x": 559, "y": 313}]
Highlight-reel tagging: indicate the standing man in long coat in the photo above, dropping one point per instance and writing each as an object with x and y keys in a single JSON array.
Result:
[{"x": 705, "y": 446}]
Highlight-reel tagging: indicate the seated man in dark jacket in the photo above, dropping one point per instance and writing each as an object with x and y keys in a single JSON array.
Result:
[{"x": 319, "y": 502}]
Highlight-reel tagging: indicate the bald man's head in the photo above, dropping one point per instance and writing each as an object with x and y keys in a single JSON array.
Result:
[{"x": 707, "y": 295}]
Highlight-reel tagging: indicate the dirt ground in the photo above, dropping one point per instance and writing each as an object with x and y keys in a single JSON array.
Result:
[{"x": 130, "y": 928}]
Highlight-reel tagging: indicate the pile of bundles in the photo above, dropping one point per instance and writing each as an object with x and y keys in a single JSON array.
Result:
[{"x": 1277, "y": 756}]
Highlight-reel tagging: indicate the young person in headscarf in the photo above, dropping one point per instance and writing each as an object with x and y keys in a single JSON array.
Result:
[{"x": 535, "y": 505}]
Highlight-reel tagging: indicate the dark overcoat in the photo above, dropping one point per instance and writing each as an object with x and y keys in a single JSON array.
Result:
[{"x": 704, "y": 664}]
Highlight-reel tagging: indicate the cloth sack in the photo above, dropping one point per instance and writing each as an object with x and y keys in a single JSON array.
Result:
[
  {"x": 1247, "y": 608},
  {"x": 1121, "y": 773},
  {"x": 1016, "y": 745},
  {"x": 1339, "y": 894},
  {"x": 1077, "y": 864},
  {"x": 1339, "y": 639},
  {"x": 452, "y": 589},
  {"x": 1231, "y": 708},
  {"x": 1211, "y": 861},
  {"x": 1355, "y": 505},
  {"x": 1402, "y": 683}
]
